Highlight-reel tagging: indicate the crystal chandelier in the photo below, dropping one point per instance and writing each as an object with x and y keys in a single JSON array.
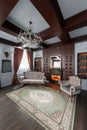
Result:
[{"x": 28, "y": 38}]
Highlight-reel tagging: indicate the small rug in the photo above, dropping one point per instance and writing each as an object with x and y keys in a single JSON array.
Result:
[{"x": 52, "y": 109}]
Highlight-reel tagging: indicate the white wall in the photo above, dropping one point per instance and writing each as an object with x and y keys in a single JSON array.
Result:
[
  {"x": 38, "y": 54},
  {"x": 6, "y": 78},
  {"x": 80, "y": 47}
]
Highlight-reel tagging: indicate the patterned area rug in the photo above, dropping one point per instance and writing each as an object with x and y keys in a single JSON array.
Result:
[{"x": 49, "y": 107}]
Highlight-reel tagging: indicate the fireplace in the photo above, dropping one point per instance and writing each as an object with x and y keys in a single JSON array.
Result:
[
  {"x": 55, "y": 74},
  {"x": 55, "y": 77}
]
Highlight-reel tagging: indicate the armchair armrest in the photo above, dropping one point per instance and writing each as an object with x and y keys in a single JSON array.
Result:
[
  {"x": 72, "y": 90},
  {"x": 78, "y": 87}
]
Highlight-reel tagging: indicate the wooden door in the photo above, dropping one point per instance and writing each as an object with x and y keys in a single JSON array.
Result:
[{"x": 38, "y": 64}]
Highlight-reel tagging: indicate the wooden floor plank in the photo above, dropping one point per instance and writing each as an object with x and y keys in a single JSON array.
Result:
[
  {"x": 12, "y": 117},
  {"x": 81, "y": 112}
]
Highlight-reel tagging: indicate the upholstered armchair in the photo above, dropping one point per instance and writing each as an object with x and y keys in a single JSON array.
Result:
[{"x": 72, "y": 86}]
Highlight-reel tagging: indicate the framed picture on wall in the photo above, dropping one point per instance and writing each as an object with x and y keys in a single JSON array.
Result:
[{"x": 6, "y": 66}]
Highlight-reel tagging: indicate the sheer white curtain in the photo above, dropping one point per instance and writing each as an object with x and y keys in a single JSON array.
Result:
[{"x": 24, "y": 66}]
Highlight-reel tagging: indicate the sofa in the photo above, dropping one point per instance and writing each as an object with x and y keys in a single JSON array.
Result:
[{"x": 33, "y": 77}]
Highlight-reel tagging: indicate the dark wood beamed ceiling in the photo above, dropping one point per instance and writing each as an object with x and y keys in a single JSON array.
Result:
[
  {"x": 47, "y": 11},
  {"x": 4, "y": 29},
  {"x": 5, "y": 8},
  {"x": 14, "y": 30},
  {"x": 79, "y": 39},
  {"x": 77, "y": 21},
  {"x": 11, "y": 27},
  {"x": 47, "y": 34},
  {"x": 51, "y": 12},
  {"x": 57, "y": 10},
  {"x": 7, "y": 42}
]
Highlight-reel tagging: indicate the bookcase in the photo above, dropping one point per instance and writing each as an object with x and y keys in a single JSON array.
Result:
[{"x": 82, "y": 65}]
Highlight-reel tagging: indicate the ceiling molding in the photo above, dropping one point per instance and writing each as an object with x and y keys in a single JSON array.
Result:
[
  {"x": 5, "y": 8},
  {"x": 47, "y": 11},
  {"x": 11, "y": 27},
  {"x": 77, "y": 21},
  {"x": 7, "y": 42},
  {"x": 8, "y": 31},
  {"x": 79, "y": 39}
]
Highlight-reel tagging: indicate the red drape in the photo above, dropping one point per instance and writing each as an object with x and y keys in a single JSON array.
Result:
[
  {"x": 18, "y": 53},
  {"x": 30, "y": 59}
]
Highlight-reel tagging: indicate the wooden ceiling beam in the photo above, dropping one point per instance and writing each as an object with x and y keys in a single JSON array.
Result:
[
  {"x": 8, "y": 25},
  {"x": 47, "y": 34},
  {"x": 7, "y": 42},
  {"x": 5, "y": 8},
  {"x": 72, "y": 41},
  {"x": 57, "y": 10},
  {"x": 47, "y": 11},
  {"x": 8, "y": 31},
  {"x": 79, "y": 39},
  {"x": 77, "y": 21}
]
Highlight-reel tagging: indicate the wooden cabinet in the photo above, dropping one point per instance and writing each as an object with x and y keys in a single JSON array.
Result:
[
  {"x": 68, "y": 66},
  {"x": 45, "y": 64},
  {"x": 82, "y": 65}
]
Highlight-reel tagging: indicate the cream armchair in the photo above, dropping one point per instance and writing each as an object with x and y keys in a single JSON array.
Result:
[{"x": 72, "y": 86}]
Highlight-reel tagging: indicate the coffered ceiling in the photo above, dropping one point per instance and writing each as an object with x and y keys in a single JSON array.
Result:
[{"x": 57, "y": 21}]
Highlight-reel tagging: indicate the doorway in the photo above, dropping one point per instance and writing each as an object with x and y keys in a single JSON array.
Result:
[{"x": 38, "y": 64}]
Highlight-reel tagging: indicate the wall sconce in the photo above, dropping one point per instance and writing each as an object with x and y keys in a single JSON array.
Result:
[{"x": 6, "y": 54}]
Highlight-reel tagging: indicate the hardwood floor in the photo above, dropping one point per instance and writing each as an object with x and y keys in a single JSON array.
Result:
[
  {"x": 81, "y": 112},
  {"x": 12, "y": 117},
  {"x": 54, "y": 86}
]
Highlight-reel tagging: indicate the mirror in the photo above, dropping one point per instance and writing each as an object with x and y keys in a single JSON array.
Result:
[{"x": 55, "y": 61}]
